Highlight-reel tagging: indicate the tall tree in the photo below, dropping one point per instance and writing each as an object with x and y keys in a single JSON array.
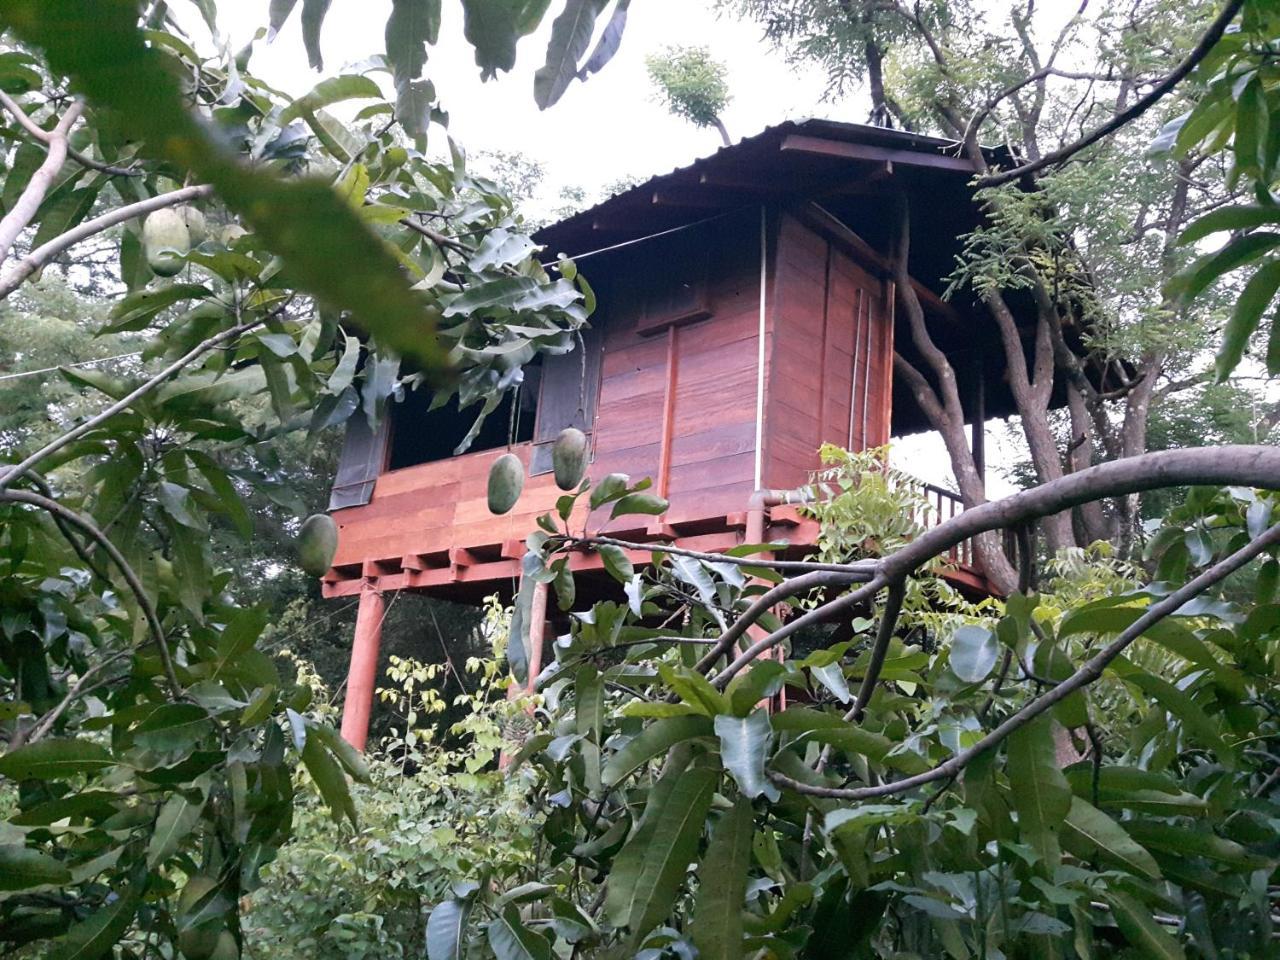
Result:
[{"x": 1083, "y": 220}]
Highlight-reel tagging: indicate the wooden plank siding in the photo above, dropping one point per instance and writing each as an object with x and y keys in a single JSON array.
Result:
[
  {"x": 832, "y": 354},
  {"x": 676, "y": 403}
]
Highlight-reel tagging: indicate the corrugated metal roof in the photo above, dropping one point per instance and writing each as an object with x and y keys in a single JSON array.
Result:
[{"x": 763, "y": 166}]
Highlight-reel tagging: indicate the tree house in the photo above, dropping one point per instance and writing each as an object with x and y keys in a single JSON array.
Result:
[{"x": 746, "y": 316}]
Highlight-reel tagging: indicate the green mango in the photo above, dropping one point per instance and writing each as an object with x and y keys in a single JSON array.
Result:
[
  {"x": 506, "y": 480},
  {"x": 317, "y": 543},
  {"x": 165, "y": 241},
  {"x": 569, "y": 458}
]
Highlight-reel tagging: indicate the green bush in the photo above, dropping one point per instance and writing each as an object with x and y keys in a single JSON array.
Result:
[{"x": 436, "y": 812}]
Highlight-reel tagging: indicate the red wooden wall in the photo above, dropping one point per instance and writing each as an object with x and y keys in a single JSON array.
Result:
[
  {"x": 677, "y": 400},
  {"x": 831, "y": 369}
]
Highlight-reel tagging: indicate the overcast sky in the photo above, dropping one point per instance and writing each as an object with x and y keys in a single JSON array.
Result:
[{"x": 602, "y": 130}]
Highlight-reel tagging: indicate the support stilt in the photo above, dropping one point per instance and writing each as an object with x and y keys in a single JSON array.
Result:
[{"x": 362, "y": 674}]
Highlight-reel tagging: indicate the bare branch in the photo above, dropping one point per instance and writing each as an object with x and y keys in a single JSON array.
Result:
[
  {"x": 40, "y": 256},
  {"x": 28, "y": 204},
  {"x": 888, "y": 621},
  {"x": 1138, "y": 108},
  {"x": 41, "y": 136}
]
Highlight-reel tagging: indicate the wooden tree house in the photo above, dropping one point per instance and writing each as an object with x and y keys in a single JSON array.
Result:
[{"x": 746, "y": 316}]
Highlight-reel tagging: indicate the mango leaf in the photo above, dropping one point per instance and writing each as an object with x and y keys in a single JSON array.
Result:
[
  {"x": 177, "y": 818},
  {"x": 277, "y": 14},
  {"x": 493, "y": 28},
  {"x": 613, "y": 486},
  {"x": 1180, "y": 841},
  {"x": 1236, "y": 217},
  {"x": 94, "y": 936},
  {"x": 446, "y": 928},
  {"x": 1041, "y": 794},
  {"x": 570, "y": 37},
  {"x": 313, "y": 14},
  {"x": 22, "y": 868},
  {"x": 717, "y": 908},
  {"x": 329, "y": 780},
  {"x": 610, "y": 40},
  {"x": 650, "y": 868},
  {"x": 412, "y": 27},
  {"x": 616, "y": 562},
  {"x": 655, "y": 739},
  {"x": 1088, "y": 832},
  {"x": 1254, "y": 299},
  {"x": 510, "y": 939},
  {"x": 54, "y": 760},
  {"x": 744, "y": 746},
  {"x": 642, "y": 503},
  {"x": 328, "y": 92},
  {"x": 1135, "y": 921},
  {"x": 974, "y": 651}
]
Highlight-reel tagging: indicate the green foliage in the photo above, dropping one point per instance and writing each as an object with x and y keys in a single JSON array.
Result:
[
  {"x": 435, "y": 815},
  {"x": 691, "y": 83},
  {"x": 1136, "y": 818},
  {"x": 152, "y": 748},
  {"x": 1237, "y": 113}
]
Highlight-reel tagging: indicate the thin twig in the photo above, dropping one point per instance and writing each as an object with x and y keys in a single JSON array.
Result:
[
  {"x": 53, "y": 446},
  {"x": 888, "y": 622},
  {"x": 41, "y": 136}
]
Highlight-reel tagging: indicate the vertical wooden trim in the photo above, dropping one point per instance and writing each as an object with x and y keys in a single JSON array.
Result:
[
  {"x": 891, "y": 298},
  {"x": 760, "y": 347},
  {"x": 853, "y": 368},
  {"x": 822, "y": 357},
  {"x": 866, "y": 374},
  {"x": 669, "y": 410},
  {"x": 357, "y": 704}
]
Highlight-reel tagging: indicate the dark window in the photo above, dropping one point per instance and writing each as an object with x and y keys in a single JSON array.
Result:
[
  {"x": 570, "y": 386},
  {"x": 421, "y": 435}
]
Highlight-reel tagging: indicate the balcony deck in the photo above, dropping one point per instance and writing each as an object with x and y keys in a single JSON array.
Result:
[{"x": 428, "y": 528}]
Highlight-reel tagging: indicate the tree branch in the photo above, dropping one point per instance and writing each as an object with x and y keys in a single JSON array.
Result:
[
  {"x": 28, "y": 203},
  {"x": 1257, "y": 466},
  {"x": 1087, "y": 674},
  {"x": 41, "y": 136},
  {"x": 1137, "y": 109},
  {"x": 13, "y": 473},
  {"x": 40, "y": 256}
]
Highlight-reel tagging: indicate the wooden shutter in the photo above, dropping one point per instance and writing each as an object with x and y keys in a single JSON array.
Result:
[
  {"x": 570, "y": 387},
  {"x": 364, "y": 452}
]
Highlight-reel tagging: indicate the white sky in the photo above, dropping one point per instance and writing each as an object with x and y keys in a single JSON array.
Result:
[{"x": 601, "y": 130}]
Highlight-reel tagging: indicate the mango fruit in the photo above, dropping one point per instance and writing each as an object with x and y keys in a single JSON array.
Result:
[
  {"x": 317, "y": 543},
  {"x": 569, "y": 458},
  {"x": 506, "y": 480},
  {"x": 165, "y": 241}
]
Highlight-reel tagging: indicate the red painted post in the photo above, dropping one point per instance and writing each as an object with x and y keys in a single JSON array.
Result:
[{"x": 358, "y": 703}]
